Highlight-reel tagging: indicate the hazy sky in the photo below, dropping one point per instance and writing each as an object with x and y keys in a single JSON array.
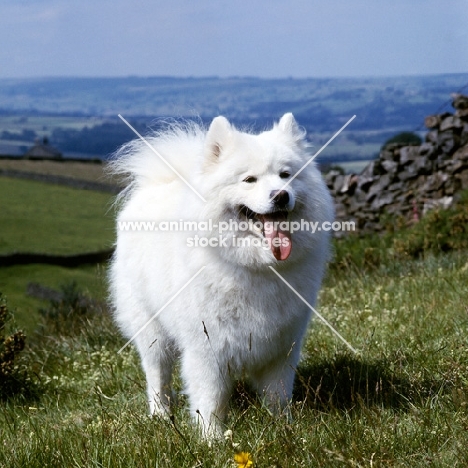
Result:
[{"x": 268, "y": 38}]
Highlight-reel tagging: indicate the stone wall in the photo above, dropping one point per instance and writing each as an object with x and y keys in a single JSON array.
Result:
[{"x": 408, "y": 180}]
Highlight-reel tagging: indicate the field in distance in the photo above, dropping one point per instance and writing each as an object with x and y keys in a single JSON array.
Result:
[{"x": 82, "y": 117}]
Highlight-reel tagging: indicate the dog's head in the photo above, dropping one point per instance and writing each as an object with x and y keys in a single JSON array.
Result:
[{"x": 259, "y": 184}]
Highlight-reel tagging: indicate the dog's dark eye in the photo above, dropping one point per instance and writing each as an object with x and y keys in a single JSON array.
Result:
[
  {"x": 250, "y": 179},
  {"x": 284, "y": 174}
]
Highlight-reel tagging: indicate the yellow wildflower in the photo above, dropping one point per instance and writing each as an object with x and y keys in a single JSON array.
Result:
[{"x": 243, "y": 460}]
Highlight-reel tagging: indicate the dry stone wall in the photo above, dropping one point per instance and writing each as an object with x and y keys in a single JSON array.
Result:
[{"x": 408, "y": 180}]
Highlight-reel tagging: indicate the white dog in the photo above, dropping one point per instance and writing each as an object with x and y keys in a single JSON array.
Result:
[{"x": 209, "y": 296}]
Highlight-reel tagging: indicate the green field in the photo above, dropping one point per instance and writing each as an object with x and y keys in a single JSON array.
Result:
[
  {"x": 15, "y": 279},
  {"x": 402, "y": 401},
  {"x": 400, "y": 299},
  {"x": 45, "y": 218}
]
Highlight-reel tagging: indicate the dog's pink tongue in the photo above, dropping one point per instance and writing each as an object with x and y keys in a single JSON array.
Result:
[{"x": 279, "y": 239}]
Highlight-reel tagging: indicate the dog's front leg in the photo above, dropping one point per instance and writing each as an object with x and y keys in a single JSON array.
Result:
[
  {"x": 209, "y": 390},
  {"x": 157, "y": 358}
]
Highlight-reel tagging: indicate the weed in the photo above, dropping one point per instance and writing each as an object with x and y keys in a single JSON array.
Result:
[
  {"x": 14, "y": 375},
  {"x": 70, "y": 310}
]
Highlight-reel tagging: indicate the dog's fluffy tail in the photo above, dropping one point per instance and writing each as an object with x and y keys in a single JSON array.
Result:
[{"x": 159, "y": 157}]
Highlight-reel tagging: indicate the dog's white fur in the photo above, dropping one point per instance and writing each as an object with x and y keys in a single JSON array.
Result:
[{"x": 237, "y": 318}]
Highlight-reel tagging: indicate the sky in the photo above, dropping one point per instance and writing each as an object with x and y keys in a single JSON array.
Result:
[{"x": 264, "y": 38}]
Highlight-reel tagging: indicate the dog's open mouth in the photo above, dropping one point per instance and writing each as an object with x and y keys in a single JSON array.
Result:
[{"x": 275, "y": 229}]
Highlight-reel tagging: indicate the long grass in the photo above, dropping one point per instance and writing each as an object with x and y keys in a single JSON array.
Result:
[
  {"x": 402, "y": 401},
  {"x": 401, "y": 300}
]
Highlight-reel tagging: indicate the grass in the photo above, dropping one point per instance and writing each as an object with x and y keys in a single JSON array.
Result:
[
  {"x": 53, "y": 219},
  {"x": 93, "y": 172},
  {"x": 402, "y": 401},
  {"x": 14, "y": 281},
  {"x": 400, "y": 299}
]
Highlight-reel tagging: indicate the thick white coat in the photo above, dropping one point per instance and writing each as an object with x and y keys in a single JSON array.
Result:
[{"x": 237, "y": 318}]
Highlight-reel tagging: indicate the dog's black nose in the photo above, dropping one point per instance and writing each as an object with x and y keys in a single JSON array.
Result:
[{"x": 280, "y": 198}]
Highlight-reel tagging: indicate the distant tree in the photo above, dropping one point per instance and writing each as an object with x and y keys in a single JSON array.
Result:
[
  {"x": 405, "y": 138},
  {"x": 101, "y": 139}
]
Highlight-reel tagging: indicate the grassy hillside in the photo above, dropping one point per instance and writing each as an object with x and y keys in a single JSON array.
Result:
[
  {"x": 93, "y": 172},
  {"x": 44, "y": 218},
  {"x": 401, "y": 402}
]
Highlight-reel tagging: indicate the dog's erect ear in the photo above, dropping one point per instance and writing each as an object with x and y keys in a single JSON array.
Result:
[
  {"x": 288, "y": 125},
  {"x": 217, "y": 138}
]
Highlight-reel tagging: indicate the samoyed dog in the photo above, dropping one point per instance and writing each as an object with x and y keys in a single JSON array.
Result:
[{"x": 208, "y": 268}]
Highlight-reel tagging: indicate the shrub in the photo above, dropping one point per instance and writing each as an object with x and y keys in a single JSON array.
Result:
[
  {"x": 12, "y": 376},
  {"x": 438, "y": 231},
  {"x": 405, "y": 138},
  {"x": 71, "y": 302},
  {"x": 70, "y": 311}
]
